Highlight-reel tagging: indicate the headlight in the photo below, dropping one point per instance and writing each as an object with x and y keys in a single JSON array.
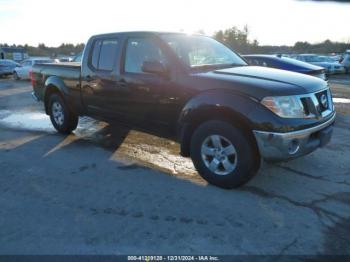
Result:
[{"x": 285, "y": 106}]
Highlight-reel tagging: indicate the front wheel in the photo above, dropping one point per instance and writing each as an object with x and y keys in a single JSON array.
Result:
[
  {"x": 61, "y": 117},
  {"x": 223, "y": 155}
]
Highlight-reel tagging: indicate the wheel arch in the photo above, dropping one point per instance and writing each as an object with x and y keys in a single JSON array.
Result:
[
  {"x": 215, "y": 105},
  {"x": 54, "y": 84}
]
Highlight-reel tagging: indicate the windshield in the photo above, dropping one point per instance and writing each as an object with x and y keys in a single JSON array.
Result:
[{"x": 198, "y": 51}]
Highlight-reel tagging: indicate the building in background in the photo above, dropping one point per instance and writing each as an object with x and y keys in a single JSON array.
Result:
[{"x": 14, "y": 53}]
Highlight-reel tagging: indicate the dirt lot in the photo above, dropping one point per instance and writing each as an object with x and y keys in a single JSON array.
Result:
[{"x": 110, "y": 190}]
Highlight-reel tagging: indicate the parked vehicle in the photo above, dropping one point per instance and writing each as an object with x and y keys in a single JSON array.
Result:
[
  {"x": 345, "y": 61},
  {"x": 78, "y": 57},
  {"x": 335, "y": 58},
  {"x": 330, "y": 66},
  {"x": 23, "y": 70},
  {"x": 225, "y": 115},
  {"x": 62, "y": 59},
  {"x": 286, "y": 63},
  {"x": 6, "y": 67}
]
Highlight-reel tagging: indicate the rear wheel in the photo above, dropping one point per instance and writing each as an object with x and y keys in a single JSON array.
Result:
[
  {"x": 61, "y": 117},
  {"x": 223, "y": 155}
]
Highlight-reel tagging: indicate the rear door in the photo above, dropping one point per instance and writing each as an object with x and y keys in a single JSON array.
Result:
[{"x": 100, "y": 78}]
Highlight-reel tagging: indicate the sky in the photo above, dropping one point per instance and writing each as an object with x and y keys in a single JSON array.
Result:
[{"x": 271, "y": 22}]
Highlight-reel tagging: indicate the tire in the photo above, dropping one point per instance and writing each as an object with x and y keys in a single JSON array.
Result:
[
  {"x": 63, "y": 119},
  {"x": 238, "y": 158},
  {"x": 15, "y": 76}
]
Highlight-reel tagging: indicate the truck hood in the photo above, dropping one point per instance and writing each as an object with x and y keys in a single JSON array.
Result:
[{"x": 259, "y": 82}]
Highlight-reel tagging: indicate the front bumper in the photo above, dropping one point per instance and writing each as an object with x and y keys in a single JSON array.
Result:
[{"x": 284, "y": 146}]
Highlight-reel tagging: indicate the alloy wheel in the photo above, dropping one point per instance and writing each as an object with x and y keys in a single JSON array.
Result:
[{"x": 219, "y": 155}]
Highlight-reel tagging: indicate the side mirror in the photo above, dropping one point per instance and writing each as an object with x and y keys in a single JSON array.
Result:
[{"x": 154, "y": 67}]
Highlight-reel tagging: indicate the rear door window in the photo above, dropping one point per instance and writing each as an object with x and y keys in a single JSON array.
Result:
[
  {"x": 104, "y": 54},
  {"x": 108, "y": 54},
  {"x": 96, "y": 53}
]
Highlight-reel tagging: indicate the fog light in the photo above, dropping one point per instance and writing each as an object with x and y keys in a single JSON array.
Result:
[{"x": 293, "y": 146}]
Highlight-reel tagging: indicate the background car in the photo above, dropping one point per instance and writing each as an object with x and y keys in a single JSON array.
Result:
[
  {"x": 286, "y": 63},
  {"x": 330, "y": 66},
  {"x": 335, "y": 58},
  {"x": 6, "y": 67},
  {"x": 63, "y": 59},
  {"x": 78, "y": 57},
  {"x": 345, "y": 61},
  {"x": 22, "y": 71}
]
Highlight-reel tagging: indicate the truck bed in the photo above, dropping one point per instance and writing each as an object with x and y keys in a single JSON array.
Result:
[
  {"x": 64, "y": 64},
  {"x": 68, "y": 72}
]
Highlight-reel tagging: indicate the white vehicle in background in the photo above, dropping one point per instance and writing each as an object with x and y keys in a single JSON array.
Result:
[
  {"x": 64, "y": 59},
  {"x": 78, "y": 57},
  {"x": 23, "y": 70},
  {"x": 345, "y": 61},
  {"x": 327, "y": 63}
]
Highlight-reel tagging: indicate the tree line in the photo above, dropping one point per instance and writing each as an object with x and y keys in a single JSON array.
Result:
[
  {"x": 43, "y": 50},
  {"x": 237, "y": 39},
  {"x": 233, "y": 37}
]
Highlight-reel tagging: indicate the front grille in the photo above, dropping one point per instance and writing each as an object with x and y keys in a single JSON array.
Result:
[{"x": 318, "y": 104}]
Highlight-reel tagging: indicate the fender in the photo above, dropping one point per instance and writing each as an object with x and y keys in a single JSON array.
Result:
[
  {"x": 56, "y": 84},
  {"x": 55, "y": 81},
  {"x": 217, "y": 100},
  {"x": 214, "y": 104}
]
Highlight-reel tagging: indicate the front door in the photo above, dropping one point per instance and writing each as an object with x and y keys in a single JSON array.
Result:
[{"x": 142, "y": 94}]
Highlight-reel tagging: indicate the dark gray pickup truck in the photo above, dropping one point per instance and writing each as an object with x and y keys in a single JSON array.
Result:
[{"x": 226, "y": 115}]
